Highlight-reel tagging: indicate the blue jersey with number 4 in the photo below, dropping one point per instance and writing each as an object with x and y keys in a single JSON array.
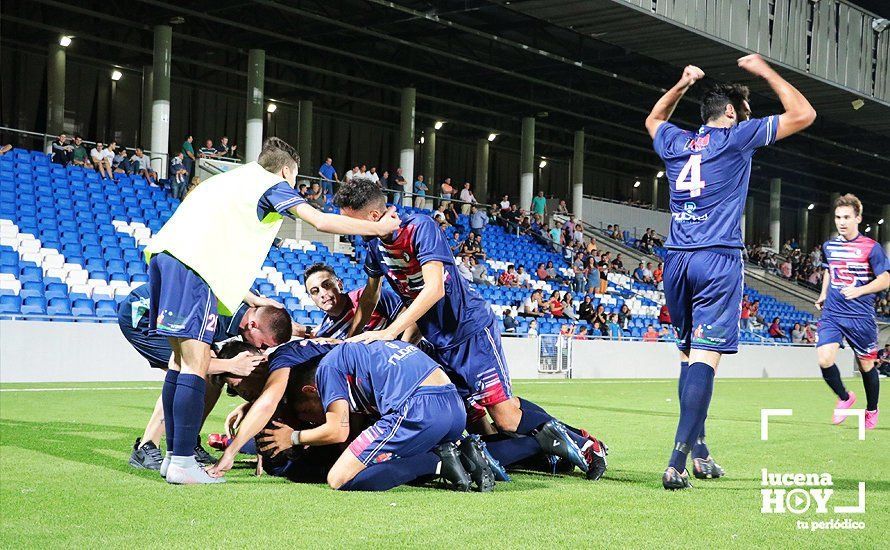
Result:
[{"x": 708, "y": 172}]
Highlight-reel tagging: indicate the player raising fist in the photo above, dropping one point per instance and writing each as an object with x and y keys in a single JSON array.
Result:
[{"x": 708, "y": 171}]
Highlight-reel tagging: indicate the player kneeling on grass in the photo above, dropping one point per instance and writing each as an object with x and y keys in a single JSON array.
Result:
[
  {"x": 856, "y": 269},
  {"x": 262, "y": 327},
  {"x": 193, "y": 272},
  {"x": 420, "y": 420}
]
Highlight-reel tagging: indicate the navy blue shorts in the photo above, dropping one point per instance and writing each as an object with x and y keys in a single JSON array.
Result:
[
  {"x": 862, "y": 334},
  {"x": 479, "y": 370},
  {"x": 432, "y": 415},
  {"x": 182, "y": 304},
  {"x": 703, "y": 290},
  {"x": 155, "y": 349}
]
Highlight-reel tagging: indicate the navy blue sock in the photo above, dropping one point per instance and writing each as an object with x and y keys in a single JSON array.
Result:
[
  {"x": 249, "y": 447},
  {"x": 188, "y": 413},
  {"x": 697, "y": 390},
  {"x": 533, "y": 417},
  {"x": 832, "y": 377},
  {"x": 872, "y": 388},
  {"x": 700, "y": 450},
  {"x": 513, "y": 450},
  {"x": 392, "y": 473},
  {"x": 168, "y": 391},
  {"x": 684, "y": 368}
]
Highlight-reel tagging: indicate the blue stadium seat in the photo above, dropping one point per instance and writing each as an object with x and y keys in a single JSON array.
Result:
[
  {"x": 106, "y": 308},
  {"x": 10, "y": 304},
  {"x": 83, "y": 308},
  {"x": 34, "y": 306},
  {"x": 58, "y": 306}
]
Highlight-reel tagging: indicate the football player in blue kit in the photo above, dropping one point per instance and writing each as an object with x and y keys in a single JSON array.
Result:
[
  {"x": 419, "y": 417},
  {"x": 708, "y": 170},
  {"x": 418, "y": 264},
  {"x": 855, "y": 269}
]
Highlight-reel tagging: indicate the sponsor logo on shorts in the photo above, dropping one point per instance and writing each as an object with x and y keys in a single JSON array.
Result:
[
  {"x": 382, "y": 457},
  {"x": 708, "y": 335}
]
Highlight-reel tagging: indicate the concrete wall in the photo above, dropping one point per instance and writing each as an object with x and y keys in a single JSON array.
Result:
[
  {"x": 603, "y": 213},
  {"x": 32, "y": 351}
]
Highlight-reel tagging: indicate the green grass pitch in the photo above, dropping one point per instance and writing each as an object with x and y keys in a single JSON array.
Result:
[{"x": 65, "y": 482}]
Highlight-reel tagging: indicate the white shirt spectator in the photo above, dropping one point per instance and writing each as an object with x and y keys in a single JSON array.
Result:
[
  {"x": 524, "y": 278},
  {"x": 505, "y": 205},
  {"x": 464, "y": 271},
  {"x": 530, "y": 306},
  {"x": 108, "y": 156},
  {"x": 467, "y": 196},
  {"x": 372, "y": 176},
  {"x": 349, "y": 175},
  {"x": 97, "y": 155},
  {"x": 138, "y": 163}
]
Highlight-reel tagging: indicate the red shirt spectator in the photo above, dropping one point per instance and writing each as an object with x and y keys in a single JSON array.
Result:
[
  {"x": 650, "y": 335},
  {"x": 556, "y": 305},
  {"x": 664, "y": 316},
  {"x": 507, "y": 279},
  {"x": 775, "y": 330}
]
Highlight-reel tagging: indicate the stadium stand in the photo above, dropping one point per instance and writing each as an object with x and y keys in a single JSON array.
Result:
[{"x": 71, "y": 248}]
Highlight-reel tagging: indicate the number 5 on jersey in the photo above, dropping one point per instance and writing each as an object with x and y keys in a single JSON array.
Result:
[{"x": 692, "y": 169}]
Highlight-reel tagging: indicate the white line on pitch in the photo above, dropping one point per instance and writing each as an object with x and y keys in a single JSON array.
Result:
[{"x": 80, "y": 389}]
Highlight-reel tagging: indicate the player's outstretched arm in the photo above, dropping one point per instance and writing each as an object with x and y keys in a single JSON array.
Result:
[
  {"x": 433, "y": 290},
  {"x": 255, "y": 420},
  {"x": 335, "y": 430},
  {"x": 366, "y": 304},
  {"x": 335, "y": 223},
  {"x": 798, "y": 112},
  {"x": 665, "y": 106}
]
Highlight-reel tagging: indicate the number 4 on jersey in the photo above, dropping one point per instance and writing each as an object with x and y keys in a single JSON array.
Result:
[{"x": 692, "y": 168}]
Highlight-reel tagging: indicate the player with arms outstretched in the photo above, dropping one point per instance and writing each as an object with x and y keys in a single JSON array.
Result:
[
  {"x": 708, "y": 171},
  {"x": 856, "y": 268}
]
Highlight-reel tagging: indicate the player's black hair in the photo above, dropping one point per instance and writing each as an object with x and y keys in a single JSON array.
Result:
[
  {"x": 231, "y": 349},
  {"x": 317, "y": 268},
  {"x": 277, "y": 322},
  {"x": 715, "y": 100},
  {"x": 300, "y": 377},
  {"x": 276, "y": 154},
  {"x": 359, "y": 194}
]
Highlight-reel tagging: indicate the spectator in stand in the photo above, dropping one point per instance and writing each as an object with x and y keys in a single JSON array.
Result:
[
  {"x": 509, "y": 278},
  {"x": 110, "y": 152},
  {"x": 466, "y": 195},
  {"x": 61, "y": 150},
  {"x": 533, "y": 327},
  {"x": 666, "y": 333},
  {"x": 470, "y": 247},
  {"x": 567, "y": 330},
  {"x": 188, "y": 152},
  {"x": 650, "y": 335},
  {"x": 591, "y": 249},
  {"x": 351, "y": 173},
  {"x": 140, "y": 165},
  {"x": 556, "y": 238},
  {"x": 224, "y": 150},
  {"x": 585, "y": 309},
  {"x": 439, "y": 214},
  {"x": 775, "y": 330},
  {"x": 617, "y": 234},
  {"x": 505, "y": 204},
  {"x": 884, "y": 360},
  {"x": 479, "y": 271},
  {"x": 562, "y": 208},
  {"x": 539, "y": 204},
  {"x": 179, "y": 177},
  {"x": 624, "y": 316},
  {"x": 639, "y": 274},
  {"x": 372, "y": 175},
  {"x": 316, "y": 196},
  {"x": 797, "y": 334},
  {"x": 533, "y": 305},
  {"x": 600, "y": 315},
  {"x": 97, "y": 154},
  {"x": 451, "y": 214},
  {"x": 809, "y": 333},
  {"x": 523, "y": 277},
  {"x": 384, "y": 182},
  {"x": 79, "y": 154},
  {"x": 480, "y": 254},
  {"x": 647, "y": 273},
  {"x": 552, "y": 275},
  {"x": 120, "y": 163},
  {"x": 580, "y": 277},
  {"x": 578, "y": 235},
  {"x": 592, "y": 273},
  {"x": 615, "y": 332},
  {"x": 397, "y": 186},
  {"x": 785, "y": 268},
  {"x": 582, "y": 333},
  {"x": 756, "y": 320},
  {"x": 458, "y": 244},
  {"x": 444, "y": 226},
  {"x": 568, "y": 309},
  {"x": 420, "y": 189},
  {"x": 604, "y": 275},
  {"x": 658, "y": 276},
  {"x": 745, "y": 319},
  {"x": 664, "y": 315},
  {"x": 510, "y": 323},
  {"x": 654, "y": 239},
  {"x": 618, "y": 265},
  {"x": 328, "y": 174},
  {"x": 478, "y": 219},
  {"x": 208, "y": 151},
  {"x": 446, "y": 190},
  {"x": 645, "y": 242},
  {"x": 463, "y": 269},
  {"x": 541, "y": 272}
]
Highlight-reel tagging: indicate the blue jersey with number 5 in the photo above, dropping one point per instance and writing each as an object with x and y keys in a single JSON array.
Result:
[{"x": 708, "y": 172}]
